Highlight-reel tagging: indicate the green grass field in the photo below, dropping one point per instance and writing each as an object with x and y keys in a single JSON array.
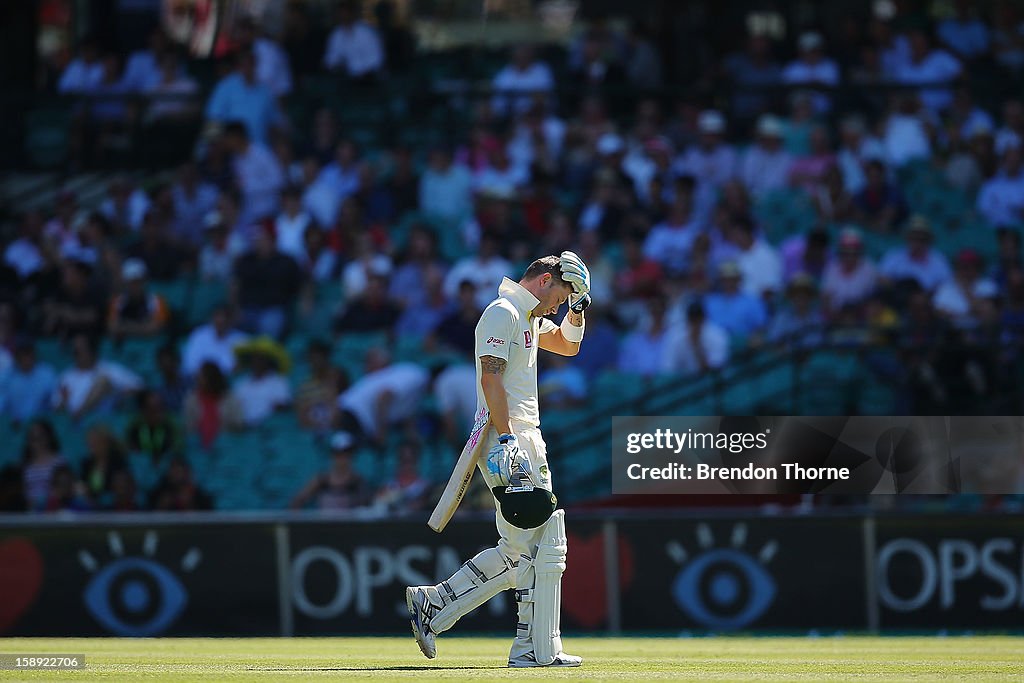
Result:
[{"x": 974, "y": 658}]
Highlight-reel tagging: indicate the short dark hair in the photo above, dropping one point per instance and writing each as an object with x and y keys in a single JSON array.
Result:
[
  {"x": 236, "y": 128},
  {"x": 545, "y": 264}
]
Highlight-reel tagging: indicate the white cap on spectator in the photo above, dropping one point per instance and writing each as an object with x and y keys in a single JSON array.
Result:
[
  {"x": 769, "y": 126},
  {"x": 978, "y": 128},
  {"x": 342, "y": 441},
  {"x": 610, "y": 143},
  {"x": 884, "y": 9},
  {"x": 212, "y": 219},
  {"x": 1007, "y": 140},
  {"x": 711, "y": 121},
  {"x": 811, "y": 40},
  {"x": 133, "y": 269}
]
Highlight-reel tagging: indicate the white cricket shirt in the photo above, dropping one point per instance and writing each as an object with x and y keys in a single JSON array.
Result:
[{"x": 507, "y": 330}]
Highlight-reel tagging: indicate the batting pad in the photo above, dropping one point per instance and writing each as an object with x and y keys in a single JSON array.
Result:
[
  {"x": 548, "y": 566},
  {"x": 476, "y": 582}
]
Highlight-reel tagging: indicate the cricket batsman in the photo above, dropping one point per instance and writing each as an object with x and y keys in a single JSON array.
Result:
[{"x": 531, "y": 553}]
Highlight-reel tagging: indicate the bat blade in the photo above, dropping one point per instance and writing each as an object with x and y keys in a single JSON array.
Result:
[{"x": 462, "y": 475}]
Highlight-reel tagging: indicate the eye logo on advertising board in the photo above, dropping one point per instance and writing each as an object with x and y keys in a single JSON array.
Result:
[
  {"x": 135, "y": 595},
  {"x": 723, "y": 587}
]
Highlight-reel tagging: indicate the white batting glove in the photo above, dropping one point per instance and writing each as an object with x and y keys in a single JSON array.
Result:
[
  {"x": 501, "y": 459},
  {"x": 575, "y": 272}
]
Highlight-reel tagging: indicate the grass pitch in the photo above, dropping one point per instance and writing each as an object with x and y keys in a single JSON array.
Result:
[{"x": 977, "y": 658}]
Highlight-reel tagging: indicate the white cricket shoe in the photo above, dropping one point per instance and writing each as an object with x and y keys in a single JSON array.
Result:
[
  {"x": 416, "y": 600},
  {"x": 529, "y": 660}
]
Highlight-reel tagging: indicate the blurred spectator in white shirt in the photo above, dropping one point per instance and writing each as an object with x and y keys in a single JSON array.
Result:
[
  {"x": 92, "y": 385},
  {"x": 905, "y": 136},
  {"x": 851, "y": 277},
  {"x": 142, "y": 71},
  {"x": 446, "y": 188},
  {"x": 930, "y": 68},
  {"x": 214, "y": 342},
  {"x": 712, "y": 162},
  {"x": 643, "y": 350},
  {"x": 1001, "y": 199},
  {"x": 484, "y": 270},
  {"x": 291, "y": 225},
  {"x": 171, "y": 92},
  {"x": 962, "y": 298},
  {"x": 353, "y": 47},
  {"x": 758, "y": 261},
  {"x": 765, "y": 165},
  {"x": 964, "y": 32},
  {"x": 384, "y": 397},
  {"x": 696, "y": 346},
  {"x": 258, "y": 176},
  {"x": 263, "y": 390},
  {"x": 917, "y": 259},
  {"x": 192, "y": 199},
  {"x": 813, "y": 68},
  {"x": 856, "y": 149},
  {"x": 125, "y": 205},
  {"x": 669, "y": 242},
  {"x": 1012, "y": 130},
  {"x": 515, "y": 84},
  {"x": 272, "y": 67},
  {"x": 84, "y": 73}
]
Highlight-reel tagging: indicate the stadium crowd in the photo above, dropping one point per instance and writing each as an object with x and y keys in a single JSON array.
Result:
[{"x": 311, "y": 238}]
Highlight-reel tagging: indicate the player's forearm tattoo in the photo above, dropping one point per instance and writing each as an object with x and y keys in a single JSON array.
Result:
[{"x": 492, "y": 366}]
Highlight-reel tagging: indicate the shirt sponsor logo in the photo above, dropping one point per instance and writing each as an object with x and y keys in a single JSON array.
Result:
[
  {"x": 528, "y": 339},
  {"x": 495, "y": 341}
]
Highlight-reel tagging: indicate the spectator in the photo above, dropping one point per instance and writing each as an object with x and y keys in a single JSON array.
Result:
[
  {"x": 65, "y": 492},
  {"x": 758, "y": 261},
  {"x": 318, "y": 263},
  {"x": 455, "y": 393},
  {"x": 973, "y": 159},
  {"x": 104, "y": 459},
  {"x": 750, "y": 71},
  {"x": 407, "y": 491},
  {"x": 856, "y": 149},
  {"x": 455, "y": 331},
  {"x": 272, "y": 67},
  {"x": 371, "y": 311},
  {"x": 799, "y": 324},
  {"x": 258, "y": 176},
  {"x": 640, "y": 276},
  {"x": 153, "y": 431},
  {"x": 561, "y": 385},
  {"x": 172, "y": 384},
  {"x": 263, "y": 390},
  {"x": 125, "y": 206},
  {"x": 83, "y": 73},
  {"x": 966, "y": 116},
  {"x": 484, "y": 270},
  {"x": 367, "y": 262},
  {"x": 965, "y": 33},
  {"x": 905, "y": 135},
  {"x": 929, "y": 67},
  {"x": 165, "y": 260},
  {"x": 25, "y": 390},
  {"x": 177, "y": 490},
  {"x": 142, "y": 70},
  {"x": 740, "y": 314},
  {"x": 805, "y": 254},
  {"x": 918, "y": 260},
  {"x": 240, "y": 97},
  {"x": 210, "y": 407},
  {"x": 220, "y": 248},
  {"x": 193, "y": 199},
  {"x": 26, "y": 254},
  {"x": 136, "y": 312},
  {"x": 340, "y": 487},
  {"x": 172, "y": 93},
  {"x": 340, "y": 176},
  {"x": 850, "y": 278},
  {"x": 78, "y": 305},
  {"x": 766, "y": 165},
  {"x": 382, "y": 399},
  {"x": 215, "y": 341},
  {"x": 419, "y": 263},
  {"x": 880, "y": 205},
  {"x": 813, "y": 68},
  {"x": 669, "y": 242},
  {"x": 354, "y": 48},
  {"x": 808, "y": 170},
  {"x": 1012, "y": 131},
  {"x": 40, "y": 457},
  {"x": 291, "y": 224},
  {"x": 265, "y": 286},
  {"x": 1001, "y": 199},
  {"x": 523, "y": 77},
  {"x": 698, "y": 346},
  {"x": 643, "y": 66},
  {"x": 962, "y": 300},
  {"x": 419, "y": 319},
  {"x": 712, "y": 162},
  {"x": 832, "y": 201},
  {"x": 597, "y": 66},
  {"x": 643, "y": 350},
  {"x": 92, "y": 386},
  {"x": 316, "y": 399}
]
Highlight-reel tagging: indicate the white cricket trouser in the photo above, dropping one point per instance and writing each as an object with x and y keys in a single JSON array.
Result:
[{"x": 493, "y": 569}]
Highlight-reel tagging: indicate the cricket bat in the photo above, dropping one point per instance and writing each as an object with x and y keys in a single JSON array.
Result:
[{"x": 458, "y": 483}]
